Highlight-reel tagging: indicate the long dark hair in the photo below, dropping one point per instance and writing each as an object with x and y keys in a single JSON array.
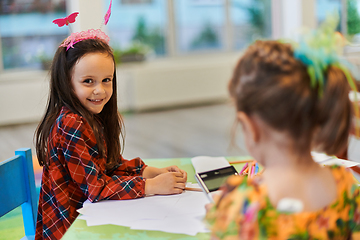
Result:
[
  {"x": 108, "y": 123},
  {"x": 269, "y": 82}
]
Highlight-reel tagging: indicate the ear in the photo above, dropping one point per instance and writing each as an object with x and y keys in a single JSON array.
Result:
[{"x": 250, "y": 128}]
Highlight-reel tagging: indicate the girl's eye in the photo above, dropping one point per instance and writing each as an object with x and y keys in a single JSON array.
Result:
[
  {"x": 107, "y": 80},
  {"x": 88, "y": 81}
]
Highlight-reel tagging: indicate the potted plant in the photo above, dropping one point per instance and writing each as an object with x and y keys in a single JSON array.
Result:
[
  {"x": 45, "y": 60},
  {"x": 136, "y": 52}
]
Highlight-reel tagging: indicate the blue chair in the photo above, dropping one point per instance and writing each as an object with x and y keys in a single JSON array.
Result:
[{"x": 17, "y": 188}]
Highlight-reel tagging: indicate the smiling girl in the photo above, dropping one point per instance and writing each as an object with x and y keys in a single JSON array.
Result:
[{"x": 78, "y": 139}]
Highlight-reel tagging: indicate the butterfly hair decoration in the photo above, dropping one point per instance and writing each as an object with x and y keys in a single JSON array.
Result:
[
  {"x": 80, "y": 36},
  {"x": 66, "y": 20}
]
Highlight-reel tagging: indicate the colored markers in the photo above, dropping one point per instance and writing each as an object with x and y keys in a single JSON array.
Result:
[{"x": 250, "y": 169}]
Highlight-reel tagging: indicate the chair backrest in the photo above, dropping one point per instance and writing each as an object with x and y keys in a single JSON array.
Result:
[{"x": 17, "y": 188}]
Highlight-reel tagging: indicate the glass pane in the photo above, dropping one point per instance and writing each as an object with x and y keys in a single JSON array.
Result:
[
  {"x": 135, "y": 21},
  {"x": 28, "y": 36},
  {"x": 353, "y": 20},
  {"x": 200, "y": 24},
  {"x": 325, "y": 7},
  {"x": 251, "y": 20}
]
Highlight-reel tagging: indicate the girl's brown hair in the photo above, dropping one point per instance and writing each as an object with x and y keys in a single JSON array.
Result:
[
  {"x": 108, "y": 124},
  {"x": 269, "y": 82}
]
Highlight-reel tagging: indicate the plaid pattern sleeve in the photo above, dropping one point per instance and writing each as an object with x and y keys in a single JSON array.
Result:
[
  {"x": 133, "y": 167},
  {"x": 76, "y": 172}
]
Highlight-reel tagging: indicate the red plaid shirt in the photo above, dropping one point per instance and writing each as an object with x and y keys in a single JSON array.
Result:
[{"x": 76, "y": 173}]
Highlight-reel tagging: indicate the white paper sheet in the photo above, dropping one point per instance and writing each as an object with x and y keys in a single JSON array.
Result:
[
  {"x": 320, "y": 157},
  {"x": 340, "y": 162},
  {"x": 181, "y": 213},
  {"x": 324, "y": 159},
  {"x": 204, "y": 163}
]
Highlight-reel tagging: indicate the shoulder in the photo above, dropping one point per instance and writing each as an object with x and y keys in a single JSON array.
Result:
[
  {"x": 345, "y": 181},
  {"x": 67, "y": 117},
  {"x": 72, "y": 124},
  {"x": 342, "y": 174}
]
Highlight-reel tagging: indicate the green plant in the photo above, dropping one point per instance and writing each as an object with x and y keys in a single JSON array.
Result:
[
  {"x": 353, "y": 18},
  {"x": 44, "y": 59},
  {"x": 151, "y": 37},
  {"x": 135, "y": 52},
  {"x": 257, "y": 13},
  {"x": 206, "y": 38}
]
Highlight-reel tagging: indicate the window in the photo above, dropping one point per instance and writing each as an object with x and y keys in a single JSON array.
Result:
[
  {"x": 350, "y": 26},
  {"x": 251, "y": 20},
  {"x": 138, "y": 21},
  {"x": 353, "y": 20},
  {"x": 200, "y": 25},
  {"x": 28, "y": 36}
]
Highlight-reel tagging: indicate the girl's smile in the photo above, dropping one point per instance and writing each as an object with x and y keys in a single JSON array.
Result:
[{"x": 92, "y": 80}]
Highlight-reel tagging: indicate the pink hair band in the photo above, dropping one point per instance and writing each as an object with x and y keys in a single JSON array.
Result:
[{"x": 83, "y": 35}]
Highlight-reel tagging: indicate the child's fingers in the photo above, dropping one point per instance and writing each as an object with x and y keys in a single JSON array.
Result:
[
  {"x": 173, "y": 168},
  {"x": 184, "y": 174},
  {"x": 177, "y": 191},
  {"x": 179, "y": 177},
  {"x": 180, "y": 185}
]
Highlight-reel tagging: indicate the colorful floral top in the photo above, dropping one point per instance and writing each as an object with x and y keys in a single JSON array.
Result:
[
  {"x": 244, "y": 212},
  {"x": 76, "y": 172}
]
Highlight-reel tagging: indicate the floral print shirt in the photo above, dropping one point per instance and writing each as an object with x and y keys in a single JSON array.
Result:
[{"x": 244, "y": 211}]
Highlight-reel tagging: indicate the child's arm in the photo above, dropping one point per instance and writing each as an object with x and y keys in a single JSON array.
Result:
[{"x": 86, "y": 168}]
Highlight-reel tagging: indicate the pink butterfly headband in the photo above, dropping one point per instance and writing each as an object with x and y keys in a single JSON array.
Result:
[{"x": 80, "y": 36}]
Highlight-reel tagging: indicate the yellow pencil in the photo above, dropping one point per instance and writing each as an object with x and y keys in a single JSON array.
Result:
[
  {"x": 193, "y": 189},
  {"x": 241, "y": 161}
]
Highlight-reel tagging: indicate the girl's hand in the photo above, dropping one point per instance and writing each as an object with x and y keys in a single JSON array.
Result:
[
  {"x": 166, "y": 183},
  {"x": 151, "y": 172},
  {"x": 176, "y": 169}
]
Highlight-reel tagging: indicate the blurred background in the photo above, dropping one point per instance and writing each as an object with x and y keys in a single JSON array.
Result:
[{"x": 174, "y": 59}]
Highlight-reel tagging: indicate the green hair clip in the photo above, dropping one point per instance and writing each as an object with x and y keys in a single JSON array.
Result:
[{"x": 320, "y": 49}]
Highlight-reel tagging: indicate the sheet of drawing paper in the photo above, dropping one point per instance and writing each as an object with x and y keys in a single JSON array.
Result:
[
  {"x": 204, "y": 163},
  {"x": 160, "y": 213},
  {"x": 173, "y": 225},
  {"x": 320, "y": 157},
  {"x": 340, "y": 162},
  {"x": 324, "y": 159}
]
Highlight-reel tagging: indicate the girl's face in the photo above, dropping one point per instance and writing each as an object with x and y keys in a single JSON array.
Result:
[{"x": 92, "y": 80}]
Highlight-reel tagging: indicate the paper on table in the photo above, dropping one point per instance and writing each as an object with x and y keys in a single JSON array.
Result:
[
  {"x": 324, "y": 159},
  {"x": 161, "y": 213},
  {"x": 172, "y": 225},
  {"x": 340, "y": 162},
  {"x": 320, "y": 157},
  {"x": 204, "y": 163}
]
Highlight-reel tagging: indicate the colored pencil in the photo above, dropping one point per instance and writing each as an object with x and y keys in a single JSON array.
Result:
[
  {"x": 193, "y": 189},
  {"x": 256, "y": 168},
  {"x": 253, "y": 170},
  {"x": 241, "y": 161},
  {"x": 243, "y": 169}
]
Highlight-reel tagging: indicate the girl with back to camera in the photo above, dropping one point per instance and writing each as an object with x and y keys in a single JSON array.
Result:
[
  {"x": 285, "y": 111},
  {"x": 78, "y": 139}
]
